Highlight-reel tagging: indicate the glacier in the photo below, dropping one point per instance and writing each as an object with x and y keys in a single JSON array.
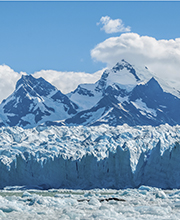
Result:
[{"x": 81, "y": 157}]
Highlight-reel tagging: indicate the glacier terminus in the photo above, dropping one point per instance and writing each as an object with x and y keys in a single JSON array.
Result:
[{"x": 122, "y": 131}]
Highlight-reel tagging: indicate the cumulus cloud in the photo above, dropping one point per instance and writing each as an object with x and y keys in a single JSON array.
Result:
[
  {"x": 112, "y": 26},
  {"x": 68, "y": 81},
  {"x": 64, "y": 81},
  {"x": 161, "y": 56},
  {"x": 8, "y": 79}
]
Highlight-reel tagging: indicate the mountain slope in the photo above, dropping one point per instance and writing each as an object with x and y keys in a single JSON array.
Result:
[
  {"x": 122, "y": 76},
  {"x": 33, "y": 102},
  {"x": 146, "y": 104},
  {"x": 123, "y": 94}
]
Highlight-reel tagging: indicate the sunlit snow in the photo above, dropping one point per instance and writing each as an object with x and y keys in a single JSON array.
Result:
[{"x": 139, "y": 104}]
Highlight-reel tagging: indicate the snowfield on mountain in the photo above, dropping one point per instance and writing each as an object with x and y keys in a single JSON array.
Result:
[{"x": 123, "y": 94}]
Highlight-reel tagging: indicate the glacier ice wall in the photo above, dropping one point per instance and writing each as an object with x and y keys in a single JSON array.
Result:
[{"x": 90, "y": 157}]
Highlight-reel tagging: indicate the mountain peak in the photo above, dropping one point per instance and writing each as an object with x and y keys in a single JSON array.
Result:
[
  {"x": 35, "y": 101},
  {"x": 31, "y": 85},
  {"x": 122, "y": 73},
  {"x": 23, "y": 80},
  {"x": 125, "y": 65},
  {"x": 154, "y": 85}
]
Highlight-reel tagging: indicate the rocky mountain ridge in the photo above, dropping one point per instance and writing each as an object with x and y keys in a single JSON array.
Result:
[{"x": 123, "y": 94}]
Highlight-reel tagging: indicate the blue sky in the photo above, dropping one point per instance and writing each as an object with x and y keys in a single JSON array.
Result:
[
  {"x": 69, "y": 43},
  {"x": 60, "y": 35}
]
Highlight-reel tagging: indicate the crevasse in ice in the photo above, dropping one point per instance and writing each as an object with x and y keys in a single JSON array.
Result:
[{"x": 90, "y": 157}]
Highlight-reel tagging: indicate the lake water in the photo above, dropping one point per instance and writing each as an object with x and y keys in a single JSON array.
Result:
[{"x": 142, "y": 203}]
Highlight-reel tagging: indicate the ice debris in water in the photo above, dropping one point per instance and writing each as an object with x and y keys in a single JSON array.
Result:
[{"x": 75, "y": 204}]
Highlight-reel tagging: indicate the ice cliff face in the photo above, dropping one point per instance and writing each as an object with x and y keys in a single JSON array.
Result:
[{"x": 82, "y": 157}]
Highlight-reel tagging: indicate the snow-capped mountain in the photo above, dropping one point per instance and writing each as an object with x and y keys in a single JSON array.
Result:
[
  {"x": 121, "y": 77},
  {"x": 146, "y": 104},
  {"x": 123, "y": 94},
  {"x": 35, "y": 101}
]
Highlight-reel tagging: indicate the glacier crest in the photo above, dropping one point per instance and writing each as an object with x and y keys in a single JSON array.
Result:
[{"x": 90, "y": 157}]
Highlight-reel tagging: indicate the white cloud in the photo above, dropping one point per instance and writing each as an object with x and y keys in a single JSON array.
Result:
[
  {"x": 8, "y": 79},
  {"x": 112, "y": 26},
  {"x": 64, "y": 81},
  {"x": 67, "y": 81},
  {"x": 160, "y": 56}
]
